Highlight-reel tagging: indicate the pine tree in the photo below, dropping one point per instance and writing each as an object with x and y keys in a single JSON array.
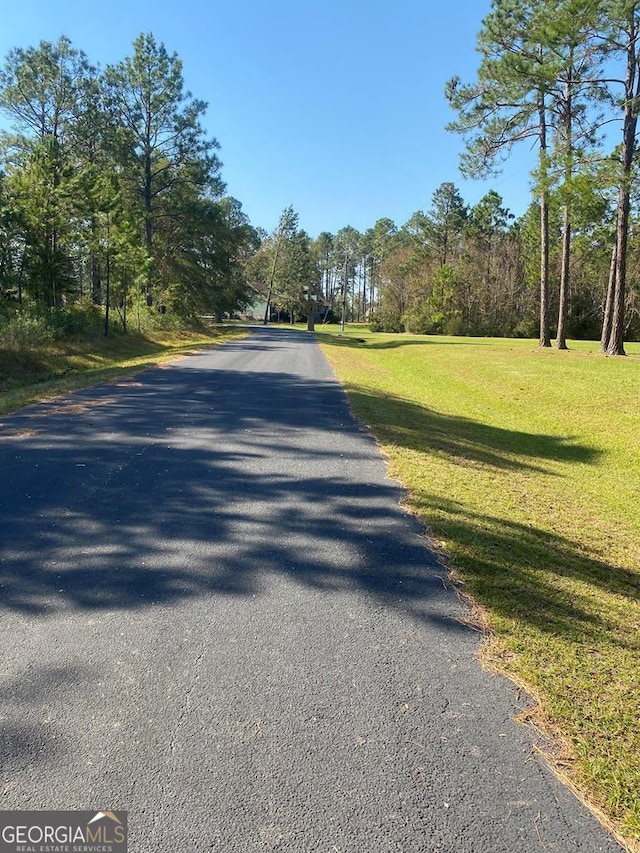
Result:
[{"x": 163, "y": 145}]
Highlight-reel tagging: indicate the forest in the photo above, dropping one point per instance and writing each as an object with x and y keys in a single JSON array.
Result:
[
  {"x": 563, "y": 79},
  {"x": 111, "y": 198},
  {"x": 113, "y": 210}
]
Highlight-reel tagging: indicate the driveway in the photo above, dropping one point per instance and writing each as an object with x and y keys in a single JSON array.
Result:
[{"x": 215, "y": 614}]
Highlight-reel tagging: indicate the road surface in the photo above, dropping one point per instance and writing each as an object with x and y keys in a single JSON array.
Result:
[{"x": 215, "y": 614}]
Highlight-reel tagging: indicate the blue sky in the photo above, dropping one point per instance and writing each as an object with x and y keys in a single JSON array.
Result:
[{"x": 336, "y": 108}]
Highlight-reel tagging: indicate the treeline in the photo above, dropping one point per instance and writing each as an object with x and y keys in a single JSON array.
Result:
[
  {"x": 563, "y": 77},
  {"x": 110, "y": 190},
  {"x": 474, "y": 270},
  {"x": 111, "y": 196}
]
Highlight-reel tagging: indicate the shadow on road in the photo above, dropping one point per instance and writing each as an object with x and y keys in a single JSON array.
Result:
[
  {"x": 189, "y": 482},
  {"x": 22, "y": 742}
]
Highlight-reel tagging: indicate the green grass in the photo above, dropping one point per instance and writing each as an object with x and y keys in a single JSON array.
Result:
[
  {"x": 29, "y": 376},
  {"x": 525, "y": 465}
]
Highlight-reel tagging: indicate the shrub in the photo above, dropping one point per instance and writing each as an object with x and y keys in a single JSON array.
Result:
[
  {"x": 457, "y": 327},
  {"x": 32, "y": 327},
  {"x": 386, "y": 322},
  {"x": 82, "y": 320},
  {"x": 527, "y": 327},
  {"x": 24, "y": 332},
  {"x": 424, "y": 321}
]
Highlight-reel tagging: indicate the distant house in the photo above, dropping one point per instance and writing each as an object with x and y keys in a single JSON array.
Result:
[{"x": 256, "y": 310}]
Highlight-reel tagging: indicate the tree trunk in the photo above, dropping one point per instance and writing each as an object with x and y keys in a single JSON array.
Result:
[
  {"x": 96, "y": 284},
  {"x": 615, "y": 344},
  {"x": 148, "y": 224},
  {"x": 364, "y": 290},
  {"x": 343, "y": 314},
  {"x": 107, "y": 295},
  {"x": 21, "y": 275},
  {"x": 561, "y": 336},
  {"x": 608, "y": 308},
  {"x": 271, "y": 281},
  {"x": 545, "y": 337}
]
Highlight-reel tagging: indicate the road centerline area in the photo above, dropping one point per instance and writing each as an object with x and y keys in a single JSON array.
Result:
[{"x": 216, "y": 615}]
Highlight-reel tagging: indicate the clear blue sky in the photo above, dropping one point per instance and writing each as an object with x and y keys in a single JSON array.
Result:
[{"x": 336, "y": 107}]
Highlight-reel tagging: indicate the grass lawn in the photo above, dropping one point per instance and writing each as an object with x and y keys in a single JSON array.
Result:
[
  {"x": 30, "y": 376},
  {"x": 525, "y": 465}
]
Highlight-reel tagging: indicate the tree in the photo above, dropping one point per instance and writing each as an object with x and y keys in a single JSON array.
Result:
[
  {"x": 112, "y": 188},
  {"x": 297, "y": 280},
  {"x": 400, "y": 281},
  {"x": 445, "y": 220},
  {"x": 230, "y": 241},
  {"x": 92, "y": 152},
  {"x": 347, "y": 255},
  {"x": 486, "y": 223},
  {"x": 39, "y": 89},
  {"x": 163, "y": 143},
  {"x": 323, "y": 246},
  {"x": 286, "y": 230},
  {"x": 12, "y": 247},
  {"x": 622, "y": 38},
  {"x": 575, "y": 94},
  {"x": 376, "y": 244},
  {"x": 507, "y": 104}
]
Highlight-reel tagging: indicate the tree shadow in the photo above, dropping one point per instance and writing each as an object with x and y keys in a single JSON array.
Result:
[
  {"x": 191, "y": 482},
  {"x": 22, "y": 742},
  {"x": 338, "y": 340},
  {"x": 412, "y": 426},
  {"x": 431, "y": 341},
  {"x": 514, "y": 568}
]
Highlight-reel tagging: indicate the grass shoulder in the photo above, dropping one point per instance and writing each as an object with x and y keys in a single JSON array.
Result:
[
  {"x": 35, "y": 373},
  {"x": 525, "y": 466}
]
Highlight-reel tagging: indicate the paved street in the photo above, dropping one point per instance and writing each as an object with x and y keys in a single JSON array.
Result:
[{"x": 215, "y": 614}]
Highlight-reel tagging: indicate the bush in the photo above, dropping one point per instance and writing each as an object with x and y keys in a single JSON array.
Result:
[
  {"x": 525, "y": 328},
  {"x": 457, "y": 327},
  {"x": 424, "y": 321},
  {"x": 386, "y": 322},
  {"x": 32, "y": 327},
  {"x": 25, "y": 332},
  {"x": 83, "y": 320}
]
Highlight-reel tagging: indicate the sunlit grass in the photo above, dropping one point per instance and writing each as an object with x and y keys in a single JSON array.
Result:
[
  {"x": 525, "y": 465},
  {"x": 54, "y": 368}
]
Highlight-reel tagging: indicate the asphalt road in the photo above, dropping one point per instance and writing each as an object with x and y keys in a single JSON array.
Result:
[{"x": 215, "y": 614}]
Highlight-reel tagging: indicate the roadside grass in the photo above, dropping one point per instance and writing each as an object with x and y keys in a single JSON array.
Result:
[
  {"x": 525, "y": 466},
  {"x": 35, "y": 374}
]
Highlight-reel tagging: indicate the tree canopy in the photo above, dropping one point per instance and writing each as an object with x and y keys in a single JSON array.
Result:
[
  {"x": 111, "y": 189},
  {"x": 111, "y": 194}
]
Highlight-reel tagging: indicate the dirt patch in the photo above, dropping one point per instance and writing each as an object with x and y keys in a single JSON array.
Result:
[
  {"x": 6, "y": 432},
  {"x": 73, "y": 408}
]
